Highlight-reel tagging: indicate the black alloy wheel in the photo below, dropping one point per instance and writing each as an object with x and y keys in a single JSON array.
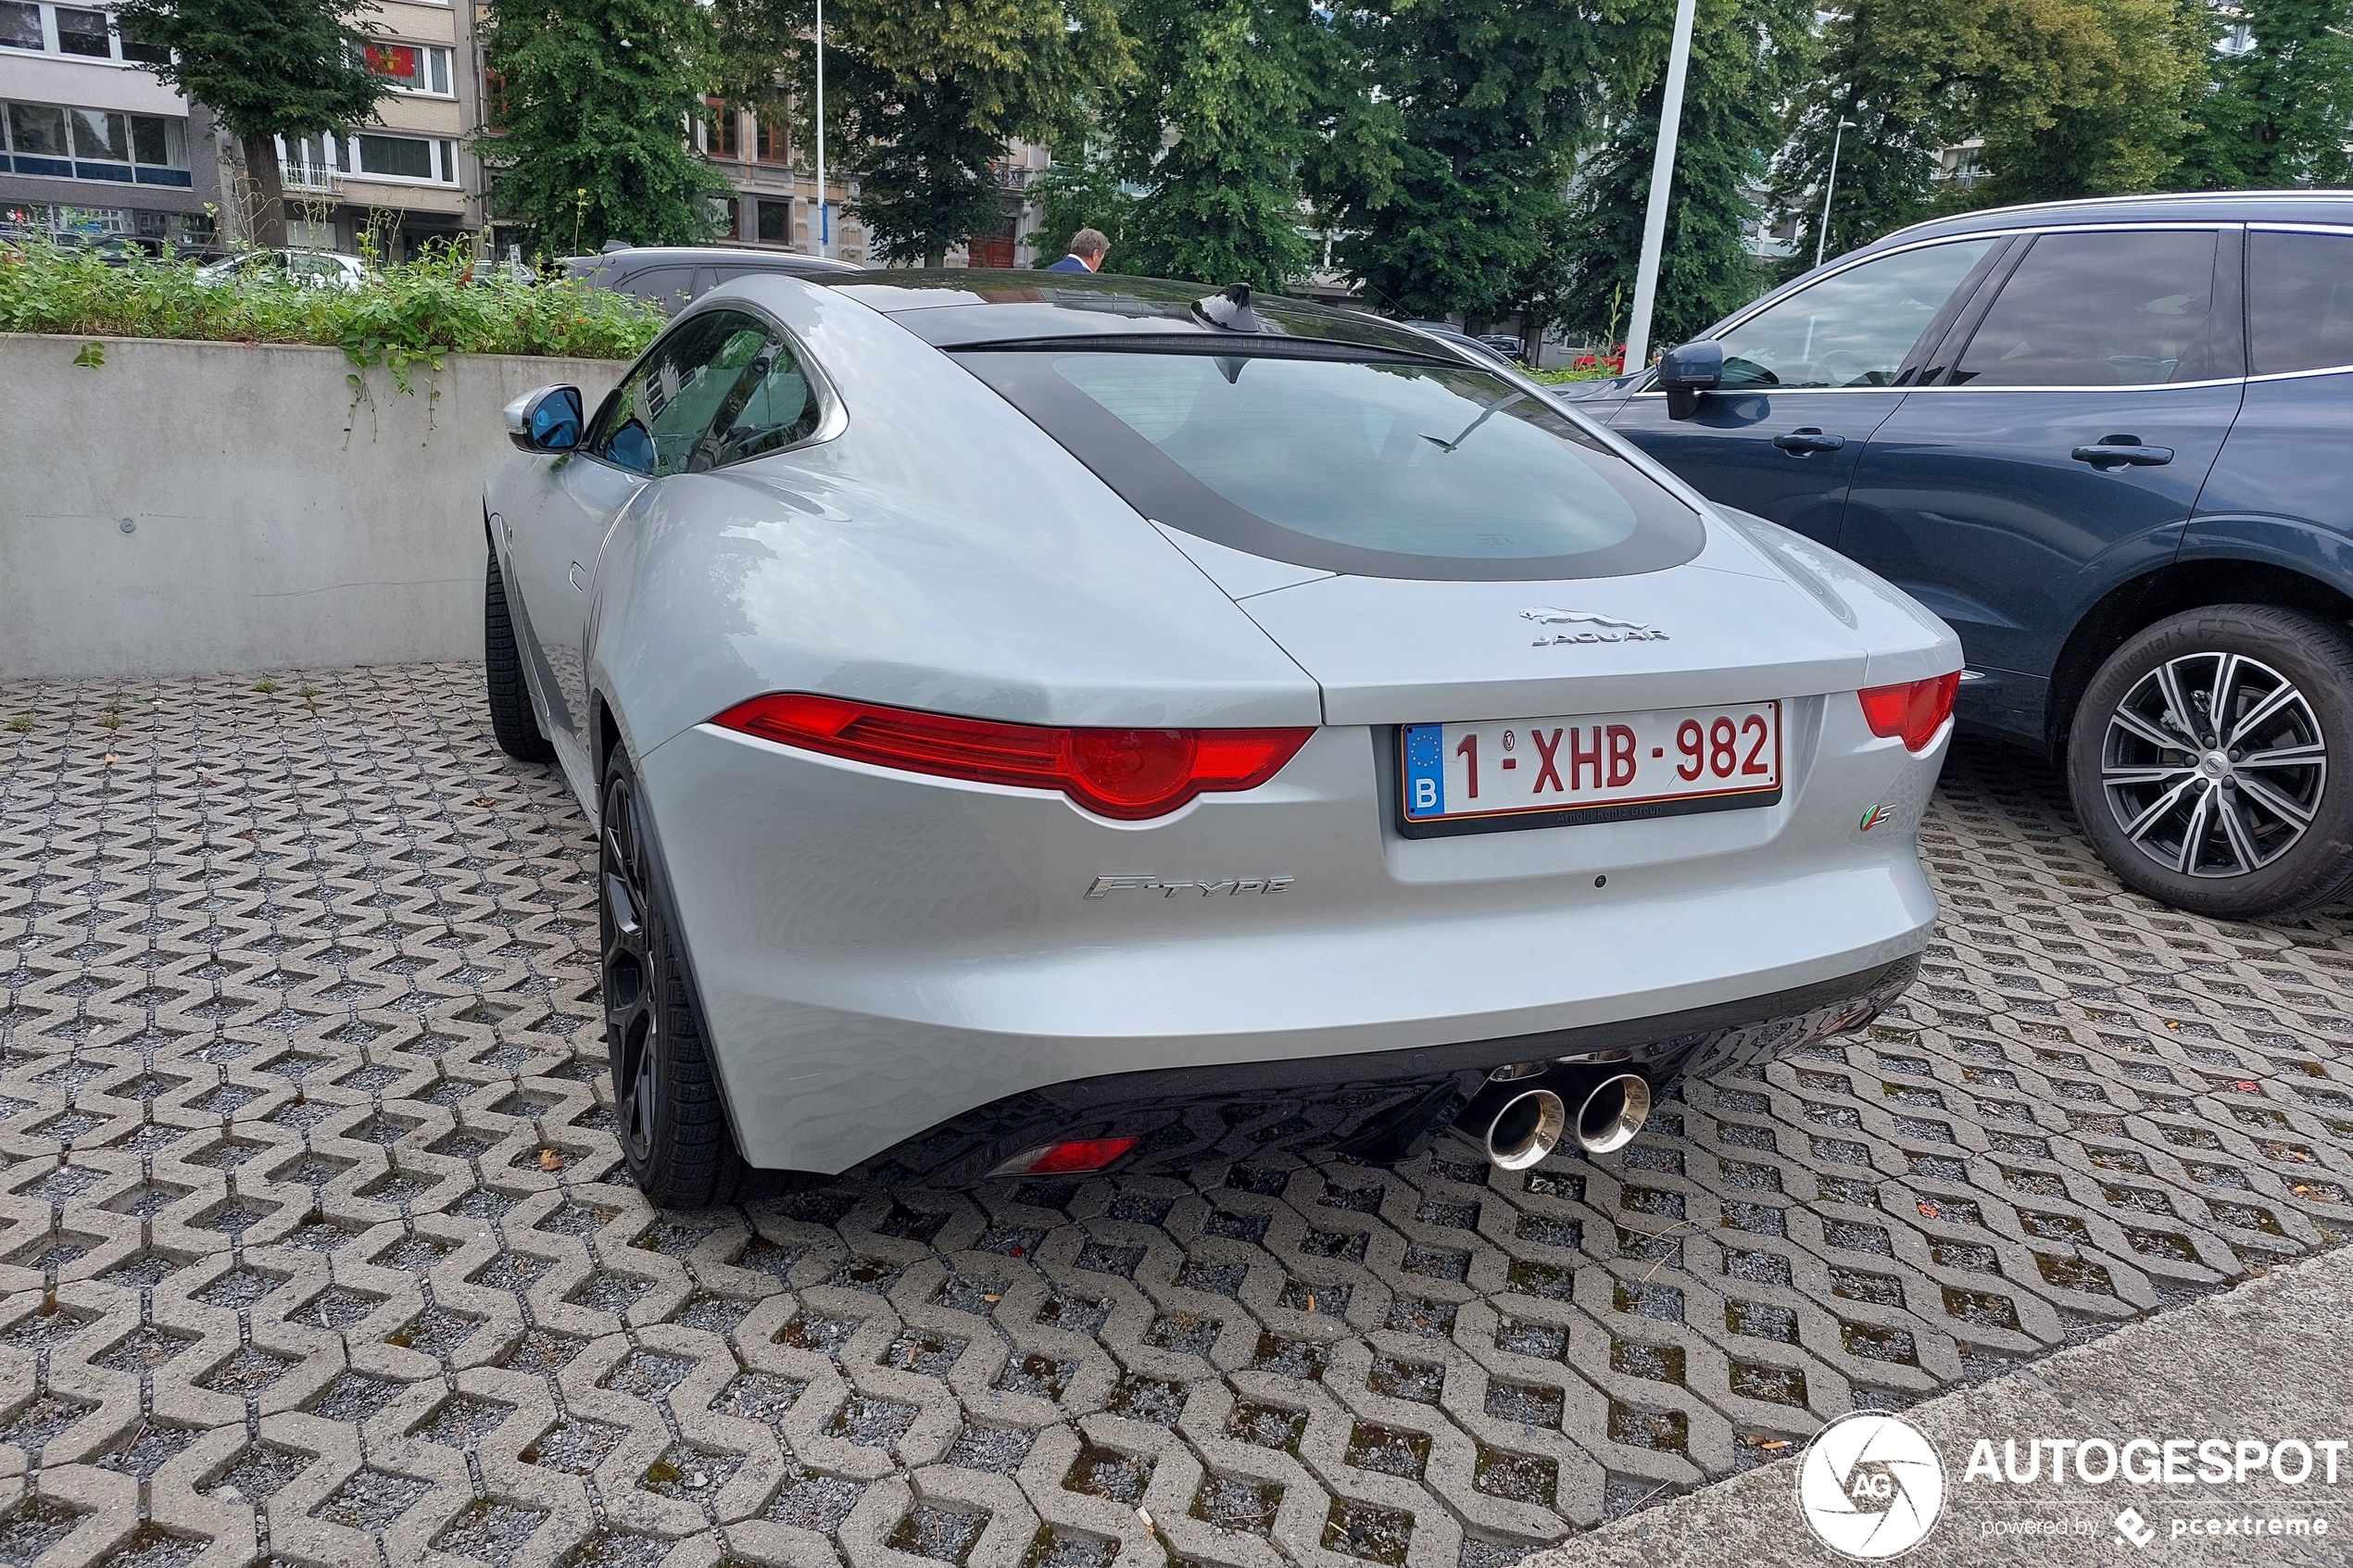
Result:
[
  {"x": 512, "y": 722},
  {"x": 2200, "y": 761},
  {"x": 670, "y": 1122}
]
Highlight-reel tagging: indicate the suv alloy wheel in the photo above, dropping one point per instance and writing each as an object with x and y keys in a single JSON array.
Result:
[{"x": 2211, "y": 760}]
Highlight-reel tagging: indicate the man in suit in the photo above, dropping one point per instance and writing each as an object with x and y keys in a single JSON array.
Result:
[{"x": 1088, "y": 248}]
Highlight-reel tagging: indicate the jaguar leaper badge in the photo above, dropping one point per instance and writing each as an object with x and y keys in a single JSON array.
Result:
[{"x": 1600, "y": 628}]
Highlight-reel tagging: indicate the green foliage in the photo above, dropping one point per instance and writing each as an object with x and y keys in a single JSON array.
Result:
[
  {"x": 2071, "y": 97},
  {"x": 2276, "y": 115},
  {"x": 921, "y": 99},
  {"x": 1445, "y": 166},
  {"x": 1082, "y": 194},
  {"x": 287, "y": 67},
  {"x": 1746, "y": 57},
  {"x": 1237, "y": 84},
  {"x": 593, "y": 102},
  {"x": 409, "y": 314}
]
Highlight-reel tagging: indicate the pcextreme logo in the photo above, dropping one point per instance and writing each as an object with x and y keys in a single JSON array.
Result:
[{"x": 1870, "y": 1486}]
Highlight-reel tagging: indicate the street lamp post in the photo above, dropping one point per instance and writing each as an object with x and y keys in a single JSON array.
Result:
[
  {"x": 1670, "y": 119},
  {"x": 824, "y": 207},
  {"x": 1828, "y": 187}
]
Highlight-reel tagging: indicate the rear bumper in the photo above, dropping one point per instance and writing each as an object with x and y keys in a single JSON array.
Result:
[
  {"x": 882, "y": 957},
  {"x": 1381, "y": 1105}
]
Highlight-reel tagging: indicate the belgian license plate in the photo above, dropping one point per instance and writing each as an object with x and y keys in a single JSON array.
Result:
[{"x": 1535, "y": 772}]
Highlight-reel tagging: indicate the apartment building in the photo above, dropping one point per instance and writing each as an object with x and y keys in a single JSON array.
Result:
[
  {"x": 774, "y": 181},
  {"x": 92, "y": 143},
  {"x": 407, "y": 178}
]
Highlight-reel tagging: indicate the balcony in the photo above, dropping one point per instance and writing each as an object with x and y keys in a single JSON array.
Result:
[
  {"x": 1011, "y": 176},
  {"x": 311, "y": 180}
]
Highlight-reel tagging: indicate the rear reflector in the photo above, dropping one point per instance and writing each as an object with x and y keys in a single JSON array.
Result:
[
  {"x": 1915, "y": 710},
  {"x": 1070, "y": 1159},
  {"x": 1129, "y": 774}
]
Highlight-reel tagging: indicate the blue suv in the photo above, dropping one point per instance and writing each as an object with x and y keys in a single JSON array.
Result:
[{"x": 2111, "y": 443}]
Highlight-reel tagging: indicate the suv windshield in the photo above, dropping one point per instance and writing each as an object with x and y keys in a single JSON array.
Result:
[{"x": 1347, "y": 462}]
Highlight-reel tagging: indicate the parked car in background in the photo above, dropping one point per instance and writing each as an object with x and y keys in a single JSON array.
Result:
[
  {"x": 311, "y": 269},
  {"x": 675, "y": 276},
  {"x": 1199, "y": 724},
  {"x": 1482, "y": 348},
  {"x": 2107, "y": 441}
]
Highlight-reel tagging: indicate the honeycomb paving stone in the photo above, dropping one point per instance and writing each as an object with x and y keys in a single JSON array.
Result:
[{"x": 306, "y": 1121}]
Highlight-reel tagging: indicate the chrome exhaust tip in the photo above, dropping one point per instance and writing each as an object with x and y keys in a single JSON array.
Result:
[
  {"x": 1527, "y": 1129},
  {"x": 1611, "y": 1115}
]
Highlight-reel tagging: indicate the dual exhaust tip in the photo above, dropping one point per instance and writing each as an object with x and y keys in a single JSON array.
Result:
[{"x": 1610, "y": 1109}]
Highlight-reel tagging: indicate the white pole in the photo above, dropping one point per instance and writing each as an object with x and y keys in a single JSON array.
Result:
[
  {"x": 1828, "y": 186},
  {"x": 824, "y": 209},
  {"x": 1671, "y": 117}
]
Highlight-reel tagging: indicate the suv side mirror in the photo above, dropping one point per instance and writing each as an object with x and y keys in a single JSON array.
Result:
[
  {"x": 1686, "y": 371},
  {"x": 545, "y": 421}
]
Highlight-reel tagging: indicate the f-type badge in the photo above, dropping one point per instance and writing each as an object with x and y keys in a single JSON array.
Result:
[
  {"x": 1601, "y": 628},
  {"x": 1168, "y": 887}
]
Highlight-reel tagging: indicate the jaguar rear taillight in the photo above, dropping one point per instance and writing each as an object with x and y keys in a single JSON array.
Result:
[
  {"x": 1128, "y": 774},
  {"x": 1915, "y": 710}
]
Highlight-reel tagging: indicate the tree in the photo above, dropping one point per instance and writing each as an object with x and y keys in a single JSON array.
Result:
[
  {"x": 1445, "y": 172},
  {"x": 593, "y": 102},
  {"x": 921, "y": 97},
  {"x": 1083, "y": 191},
  {"x": 1218, "y": 134},
  {"x": 265, "y": 69},
  {"x": 2278, "y": 105},
  {"x": 1746, "y": 56},
  {"x": 2070, "y": 98}
]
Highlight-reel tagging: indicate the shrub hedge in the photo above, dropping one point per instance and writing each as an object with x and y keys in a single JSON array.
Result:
[{"x": 407, "y": 314}]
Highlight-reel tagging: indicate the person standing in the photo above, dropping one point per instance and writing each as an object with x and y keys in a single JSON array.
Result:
[{"x": 1088, "y": 248}]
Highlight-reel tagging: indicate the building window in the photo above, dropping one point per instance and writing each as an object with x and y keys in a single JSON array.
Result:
[
  {"x": 404, "y": 158},
  {"x": 721, "y": 137},
  {"x": 773, "y": 145},
  {"x": 83, "y": 32},
  {"x": 61, "y": 143},
  {"x": 20, "y": 25},
  {"x": 138, "y": 52},
  {"x": 412, "y": 68},
  {"x": 775, "y": 223}
]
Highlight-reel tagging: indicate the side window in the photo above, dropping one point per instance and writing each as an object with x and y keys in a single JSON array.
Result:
[
  {"x": 2299, "y": 301},
  {"x": 655, "y": 418},
  {"x": 2120, "y": 308},
  {"x": 670, "y": 287},
  {"x": 770, "y": 406},
  {"x": 1854, "y": 328}
]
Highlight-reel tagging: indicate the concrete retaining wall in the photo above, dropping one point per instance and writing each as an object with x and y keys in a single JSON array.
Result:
[{"x": 275, "y": 517}]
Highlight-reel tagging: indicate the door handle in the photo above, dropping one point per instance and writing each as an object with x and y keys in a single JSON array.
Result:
[
  {"x": 577, "y": 577},
  {"x": 2122, "y": 451},
  {"x": 1809, "y": 438}
]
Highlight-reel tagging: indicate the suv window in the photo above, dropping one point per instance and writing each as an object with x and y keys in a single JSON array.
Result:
[
  {"x": 2126, "y": 307},
  {"x": 655, "y": 421},
  {"x": 2299, "y": 301},
  {"x": 670, "y": 287},
  {"x": 1854, "y": 328},
  {"x": 1384, "y": 466}
]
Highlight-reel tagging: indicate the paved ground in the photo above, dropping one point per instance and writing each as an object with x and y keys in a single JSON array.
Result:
[{"x": 312, "y": 1242}]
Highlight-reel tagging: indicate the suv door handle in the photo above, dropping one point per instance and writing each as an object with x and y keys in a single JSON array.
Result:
[
  {"x": 1809, "y": 438},
  {"x": 2122, "y": 451}
]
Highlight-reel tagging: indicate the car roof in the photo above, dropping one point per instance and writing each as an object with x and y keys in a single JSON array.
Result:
[
  {"x": 2194, "y": 207},
  {"x": 962, "y": 308},
  {"x": 633, "y": 257}
]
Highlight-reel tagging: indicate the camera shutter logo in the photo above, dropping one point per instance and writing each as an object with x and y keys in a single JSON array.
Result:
[{"x": 1870, "y": 1486}]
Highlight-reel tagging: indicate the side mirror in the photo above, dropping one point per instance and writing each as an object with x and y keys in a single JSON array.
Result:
[
  {"x": 545, "y": 421},
  {"x": 1686, "y": 371}
]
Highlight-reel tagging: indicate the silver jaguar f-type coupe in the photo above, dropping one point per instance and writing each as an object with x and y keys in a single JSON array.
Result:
[{"x": 1040, "y": 723}]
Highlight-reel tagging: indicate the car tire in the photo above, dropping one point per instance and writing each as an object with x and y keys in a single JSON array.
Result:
[
  {"x": 667, "y": 1110},
  {"x": 512, "y": 722},
  {"x": 2248, "y": 818}
]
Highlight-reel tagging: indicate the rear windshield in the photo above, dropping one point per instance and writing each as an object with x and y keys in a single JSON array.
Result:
[{"x": 1378, "y": 468}]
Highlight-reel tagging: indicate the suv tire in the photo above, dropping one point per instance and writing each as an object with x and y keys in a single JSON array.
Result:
[
  {"x": 2251, "y": 816},
  {"x": 512, "y": 722}
]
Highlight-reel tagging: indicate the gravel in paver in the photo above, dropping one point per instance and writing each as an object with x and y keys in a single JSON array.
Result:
[{"x": 299, "y": 1044}]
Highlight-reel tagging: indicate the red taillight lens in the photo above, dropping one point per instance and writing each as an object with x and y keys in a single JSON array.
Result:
[
  {"x": 1915, "y": 710},
  {"x": 1070, "y": 1157},
  {"x": 1131, "y": 774}
]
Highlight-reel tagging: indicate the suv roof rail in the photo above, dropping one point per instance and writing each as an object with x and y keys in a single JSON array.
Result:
[{"x": 2153, "y": 197}]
